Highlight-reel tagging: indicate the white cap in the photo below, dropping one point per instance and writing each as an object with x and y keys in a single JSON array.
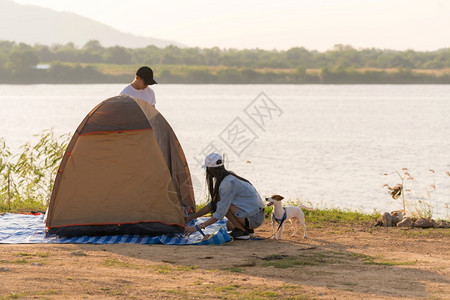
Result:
[{"x": 213, "y": 160}]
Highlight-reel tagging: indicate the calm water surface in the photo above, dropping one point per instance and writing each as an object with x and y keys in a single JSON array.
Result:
[{"x": 327, "y": 145}]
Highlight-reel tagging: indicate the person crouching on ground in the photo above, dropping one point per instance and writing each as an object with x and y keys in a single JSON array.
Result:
[{"x": 231, "y": 196}]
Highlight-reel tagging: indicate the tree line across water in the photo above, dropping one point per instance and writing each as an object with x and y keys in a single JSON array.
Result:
[{"x": 93, "y": 63}]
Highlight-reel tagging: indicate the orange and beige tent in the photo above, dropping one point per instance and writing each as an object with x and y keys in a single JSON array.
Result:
[{"x": 124, "y": 172}]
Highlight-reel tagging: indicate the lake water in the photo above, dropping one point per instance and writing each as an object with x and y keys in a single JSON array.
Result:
[{"x": 328, "y": 145}]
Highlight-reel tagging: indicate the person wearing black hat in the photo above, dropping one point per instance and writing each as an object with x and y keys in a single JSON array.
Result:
[{"x": 139, "y": 88}]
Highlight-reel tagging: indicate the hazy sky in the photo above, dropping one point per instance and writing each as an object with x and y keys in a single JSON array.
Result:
[{"x": 281, "y": 24}]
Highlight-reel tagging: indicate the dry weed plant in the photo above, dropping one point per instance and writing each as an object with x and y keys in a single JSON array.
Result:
[
  {"x": 416, "y": 199},
  {"x": 447, "y": 204}
]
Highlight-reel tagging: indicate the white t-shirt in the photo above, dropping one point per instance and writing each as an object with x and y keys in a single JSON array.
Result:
[{"x": 146, "y": 94}]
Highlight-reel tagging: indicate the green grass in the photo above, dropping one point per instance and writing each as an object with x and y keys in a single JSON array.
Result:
[
  {"x": 26, "y": 178},
  {"x": 339, "y": 216},
  {"x": 234, "y": 269},
  {"x": 161, "y": 269},
  {"x": 327, "y": 257},
  {"x": 23, "y": 254},
  {"x": 20, "y": 261},
  {"x": 176, "y": 268},
  {"x": 228, "y": 287},
  {"x": 426, "y": 233},
  {"x": 38, "y": 254},
  {"x": 380, "y": 261},
  {"x": 23, "y": 206},
  {"x": 14, "y": 295},
  {"x": 50, "y": 292},
  {"x": 120, "y": 264},
  {"x": 259, "y": 295},
  {"x": 240, "y": 291},
  {"x": 325, "y": 215},
  {"x": 180, "y": 293},
  {"x": 130, "y": 69},
  {"x": 232, "y": 290},
  {"x": 166, "y": 269},
  {"x": 28, "y": 258},
  {"x": 283, "y": 262}
]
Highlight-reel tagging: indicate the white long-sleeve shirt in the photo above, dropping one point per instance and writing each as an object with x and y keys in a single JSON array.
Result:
[{"x": 239, "y": 193}]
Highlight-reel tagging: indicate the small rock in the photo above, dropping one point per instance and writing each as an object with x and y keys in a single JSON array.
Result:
[
  {"x": 397, "y": 216},
  {"x": 387, "y": 220},
  {"x": 406, "y": 222},
  {"x": 398, "y": 213},
  {"x": 4, "y": 269},
  {"x": 36, "y": 264},
  {"x": 78, "y": 253},
  {"x": 441, "y": 224},
  {"x": 395, "y": 221},
  {"x": 435, "y": 224},
  {"x": 379, "y": 222},
  {"x": 423, "y": 223}
]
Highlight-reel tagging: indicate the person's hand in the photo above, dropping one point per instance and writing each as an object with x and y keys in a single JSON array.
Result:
[{"x": 189, "y": 230}]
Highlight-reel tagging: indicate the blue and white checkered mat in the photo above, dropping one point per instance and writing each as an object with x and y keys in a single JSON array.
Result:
[{"x": 29, "y": 229}]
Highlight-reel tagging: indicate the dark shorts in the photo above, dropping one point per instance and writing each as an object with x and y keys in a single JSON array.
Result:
[{"x": 255, "y": 220}]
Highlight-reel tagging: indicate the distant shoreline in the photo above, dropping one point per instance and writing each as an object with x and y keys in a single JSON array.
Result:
[
  {"x": 75, "y": 73},
  {"x": 93, "y": 63}
]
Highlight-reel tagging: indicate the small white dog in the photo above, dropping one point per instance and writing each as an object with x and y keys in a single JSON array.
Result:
[{"x": 281, "y": 214}]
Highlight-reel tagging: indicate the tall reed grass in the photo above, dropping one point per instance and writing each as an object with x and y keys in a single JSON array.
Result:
[
  {"x": 418, "y": 200},
  {"x": 27, "y": 178}
]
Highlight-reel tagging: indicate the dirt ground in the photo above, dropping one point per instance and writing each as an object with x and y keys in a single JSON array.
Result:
[{"x": 336, "y": 262}]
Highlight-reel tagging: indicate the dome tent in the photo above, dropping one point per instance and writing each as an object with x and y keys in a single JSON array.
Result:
[{"x": 123, "y": 172}]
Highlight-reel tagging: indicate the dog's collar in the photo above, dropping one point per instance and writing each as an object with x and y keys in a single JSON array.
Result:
[{"x": 279, "y": 221}]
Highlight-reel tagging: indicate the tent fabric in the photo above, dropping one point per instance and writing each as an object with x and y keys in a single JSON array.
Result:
[
  {"x": 174, "y": 158},
  {"x": 122, "y": 173},
  {"x": 29, "y": 229},
  {"x": 173, "y": 154},
  {"x": 116, "y": 114}
]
